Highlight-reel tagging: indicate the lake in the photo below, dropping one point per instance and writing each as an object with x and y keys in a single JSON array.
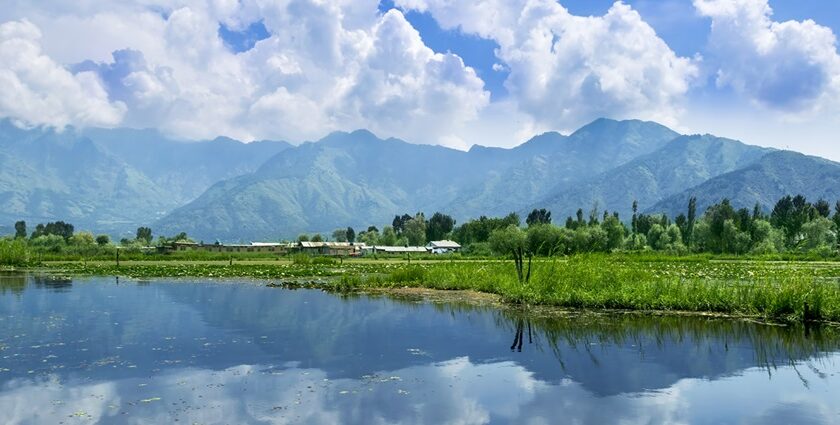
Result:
[{"x": 103, "y": 350}]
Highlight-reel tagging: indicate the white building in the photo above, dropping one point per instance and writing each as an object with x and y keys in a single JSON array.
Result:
[{"x": 443, "y": 247}]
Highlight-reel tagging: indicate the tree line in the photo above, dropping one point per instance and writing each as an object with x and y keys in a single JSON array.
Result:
[
  {"x": 793, "y": 225},
  {"x": 59, "y": 237}
]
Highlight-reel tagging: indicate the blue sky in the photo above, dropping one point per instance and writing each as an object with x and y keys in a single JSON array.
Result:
[{"x": 450, "y": 72}]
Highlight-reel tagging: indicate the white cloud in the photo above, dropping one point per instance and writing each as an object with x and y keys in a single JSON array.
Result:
[
  {"x": 788, "y": 66},
  {"x": 326, "y": 66},
  {"x": 35, "y": 90},
  {"x": 566, "y": 69}
]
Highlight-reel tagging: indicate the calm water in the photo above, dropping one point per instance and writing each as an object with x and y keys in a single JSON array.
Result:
[{"x": 102, "y": 351}]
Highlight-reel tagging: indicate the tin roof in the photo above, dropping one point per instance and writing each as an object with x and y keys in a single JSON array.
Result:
[{"x": 444, "y": 244}]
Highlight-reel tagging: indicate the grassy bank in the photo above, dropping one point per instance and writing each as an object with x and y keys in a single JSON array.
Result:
[{"x": 772, "y": 290}]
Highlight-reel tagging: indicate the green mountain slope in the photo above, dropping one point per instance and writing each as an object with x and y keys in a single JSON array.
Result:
[
  {"x": 775, "y": 175},
  {"x": 684, "y": 162},
  {"x": 46, "y": 176},
  {"x": 357, "y": 179},
  {"x": 597, "y": 147},
  {"x": 344, "y": 179}
]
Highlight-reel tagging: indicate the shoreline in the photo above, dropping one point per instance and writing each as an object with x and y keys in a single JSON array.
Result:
[{"x": 466, "y": 283}]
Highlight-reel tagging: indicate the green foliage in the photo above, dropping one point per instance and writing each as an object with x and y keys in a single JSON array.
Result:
[
  {"x": 20, "y": 229},
  {"x": 302, "y": 259},
  {"x": 58, "y": 228},
  {"x": 389, "y": 237},
  {"x": 415, "y": 230},
  {"x": 818, "y": 235},
  {"x": 13, "y": 252},
  {"x": 144, "y": 234},
  {"x": 479, "y": 230},
  {"x": 339, "y": 235},
  {"x": 103, "y": 240},
  {"x": 538, "y": 216},
  {"x": 370, "y": 237},
  {"x": 615, "y": 233},
  {"x": 324, "y": 261},
  {"x": 547, "y": 240},
  {"x": 317, "y": 238},
  {"x": 439, "y": 227}
]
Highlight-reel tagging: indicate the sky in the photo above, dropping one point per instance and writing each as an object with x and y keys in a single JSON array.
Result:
[{"x": 448, "y": 72}]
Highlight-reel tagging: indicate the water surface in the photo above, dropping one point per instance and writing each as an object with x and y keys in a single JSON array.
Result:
[{"x": 102, "y": 350}]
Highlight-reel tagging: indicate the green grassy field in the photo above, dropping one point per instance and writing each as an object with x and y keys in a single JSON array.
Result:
[{"x": 784, "y": 291}]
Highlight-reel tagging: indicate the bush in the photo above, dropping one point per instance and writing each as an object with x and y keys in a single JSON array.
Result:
[
  {"x": 324, "y": 261},
  {"x": 301, "y": 259},
  {"x": 13, "y": 252}
]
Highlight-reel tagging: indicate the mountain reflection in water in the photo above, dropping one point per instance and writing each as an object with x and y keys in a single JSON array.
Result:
[{"x": 237, "y": 352}]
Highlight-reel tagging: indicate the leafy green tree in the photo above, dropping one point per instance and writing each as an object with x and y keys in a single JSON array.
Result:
[
  {"x": 675, "y": 239},
  {"x": 538, "y": 216},
  {"x": 822, "y": 208},
  {"x": 103, "y": 240},
  {"x": 83, "y": 239},
  {"x": 593, "y": 215},
  {"x": 818, "y": 234},
  {"x": 790, "y": 214},
  {"x": 580, "y": 222},
  {"x": 340, "y": 235},
  {"x": 48, "y": 243},
  {"x": 765, "y": 238},
  {"x": 144, "y": 234},
  {"x": 589, "y": 239},
  {"x": 399, "y": 223},
  {"x": 57, "y": 228},
  {"x": 415, "y": 230},
  {"x": 478, "y": 230},
  {"x": 13, "y": 252},
  {"x": 317, "y": 238},
  {"x": 836, "y": 217},
  {"x": 733, "y": 239},
  {"x": 716, "y": 216},
  {"x": 757, "y": 214},
  {"x": 633, "y": 223},
  {"x": 370, "y": 236},
  {"x": 20, "y": 230},
  {"x": 691, "y": 220},
  {"x": 303, "y": 238},
  {"x": 512, "y": 241},
  {"x": 439, "y": 226},
  {"x": 389, "y": 236},
  {"x": 655, "y": 236},
  {"x": 548, "y": 240},
  {"x": 615, "y": 232},
  {"x": 351, "y": 235},
  {"x": 635, "y": 242}
]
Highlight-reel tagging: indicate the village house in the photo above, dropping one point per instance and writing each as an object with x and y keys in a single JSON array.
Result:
[
  {"x": 381, "y": 249},
  {"x": 443, "y": 247},
  {"x": 256, "y": 247},
  {"x": 329, "y": 248}
]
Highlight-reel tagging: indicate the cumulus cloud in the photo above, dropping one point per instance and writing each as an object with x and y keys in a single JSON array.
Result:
[
  {"x": 325, "y": 66},
  {"x": 566, "y": 69},
  {"x": 35, "y": 90},
  {"x": 787, "y": 66}
]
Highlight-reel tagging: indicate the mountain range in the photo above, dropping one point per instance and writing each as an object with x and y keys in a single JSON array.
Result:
[{"x": 114, "y": 180}]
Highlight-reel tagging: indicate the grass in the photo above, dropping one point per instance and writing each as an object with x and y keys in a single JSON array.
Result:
[{"x": 771, "y": 290}]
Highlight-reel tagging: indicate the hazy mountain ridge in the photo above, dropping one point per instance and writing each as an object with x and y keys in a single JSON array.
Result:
[
  {"x": 109, "y": 180},
  {"x": 556, "y": 162},
  {"x": 116, "y": 180},
  {"x": 775, "y": 175},
  {"x": 684, "y": 162}
]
